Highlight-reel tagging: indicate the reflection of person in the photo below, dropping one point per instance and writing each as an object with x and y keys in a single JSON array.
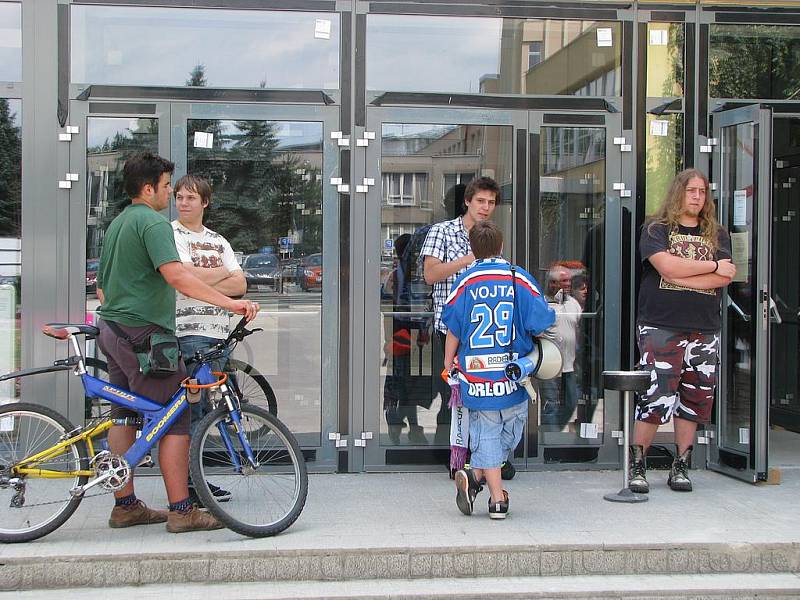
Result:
[
  {"x": 209, "y": 257},
  {"x": 491, "y": 313},
  {"x": 139, "y": 267},
  {"x": 398, "y": 402},
  {"x": 560, "y": 395},
  {"x": 686, "y": 259},
  {"x": 445, "y": 254}
]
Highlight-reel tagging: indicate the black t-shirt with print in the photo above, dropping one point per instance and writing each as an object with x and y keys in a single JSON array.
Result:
[{"x": 668, "y": 306}]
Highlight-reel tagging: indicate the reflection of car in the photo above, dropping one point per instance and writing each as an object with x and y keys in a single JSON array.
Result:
[
  {"x": 309, "y": 272},
  {"x": 262, "y": 272},
  {"x": 91, "y": 274},
  {"x": 289, "y": 269}
]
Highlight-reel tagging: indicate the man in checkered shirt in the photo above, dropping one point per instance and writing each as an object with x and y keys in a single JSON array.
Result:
[{"x": 445, "y": 254}]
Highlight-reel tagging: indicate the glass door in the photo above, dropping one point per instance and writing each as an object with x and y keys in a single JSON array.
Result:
[
  {"x": 268, "y": 167},
  {"x": 574, "y": 240},
  {"x": 742, "y": 171},
  {"x": 556, "y": 174}
]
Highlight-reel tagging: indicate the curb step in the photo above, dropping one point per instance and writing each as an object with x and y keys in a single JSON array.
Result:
[
  {"x": 774, "y": 586},
  {"x": 352, "y": 565}
]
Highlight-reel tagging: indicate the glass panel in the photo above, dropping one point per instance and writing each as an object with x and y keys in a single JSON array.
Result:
[
  {"x": 739, "y": 190},
  {"x": 784, "y": 437},
  {"x": 202, "y": 47},
  {"x": 10, "y": 41},
  {"x": 665, "y": 59},
  {"x": 571, "y": 253},
  {"x": 501, "y": 56},
  {"x": 664, "y": 151},
  {"x": 10, "y": 241},
  {"x": 754, "y": 61},
  {"x": 267, "y": 202},
  {"x": 440, "y": 160},
  {"x": 109, "y": 143}
]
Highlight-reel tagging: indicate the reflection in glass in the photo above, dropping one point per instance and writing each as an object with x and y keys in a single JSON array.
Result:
[
  {"x": 665, "y": 60},
  {"x": 424, "y": 170},
  {"x": 739, "y": 156},
  {"x": 487, "y": 55},
  {"x": 664, "y": 152},
  {"x": 754, "y": 61},
  {"x": 109, "y": 143},
  {"x": 266, "y": 178},
  {"x": 571, "y": 254},
  {"x": 10, "y": 241},
  {"x": 235, "y": 48},
  {"x": 10, "y": 41}
]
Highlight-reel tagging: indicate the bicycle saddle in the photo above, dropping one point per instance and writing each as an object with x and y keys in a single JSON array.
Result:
[{"x": 61, "y": 331}]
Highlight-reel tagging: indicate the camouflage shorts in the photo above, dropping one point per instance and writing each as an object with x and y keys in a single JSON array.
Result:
[{"x": 683, "y": 374}]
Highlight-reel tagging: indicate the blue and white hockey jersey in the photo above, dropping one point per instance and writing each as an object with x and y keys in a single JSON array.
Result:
[{"x": 480, "y": 311}]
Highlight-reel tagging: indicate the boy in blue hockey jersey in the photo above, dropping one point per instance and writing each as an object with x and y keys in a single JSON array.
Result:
[{"x": 492, "y": 314}]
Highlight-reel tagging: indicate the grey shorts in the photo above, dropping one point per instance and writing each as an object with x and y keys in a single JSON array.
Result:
[
  {"x": 123, "y": 371},
  {"x": 493, "y": 434}
]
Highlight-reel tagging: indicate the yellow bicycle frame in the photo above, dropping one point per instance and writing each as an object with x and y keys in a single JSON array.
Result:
[{"x": 27, "y": 466}]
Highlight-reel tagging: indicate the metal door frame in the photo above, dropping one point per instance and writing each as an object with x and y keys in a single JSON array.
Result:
[
  {"x": 761, "y": 117},
  {"x": 367, "y": 417}
]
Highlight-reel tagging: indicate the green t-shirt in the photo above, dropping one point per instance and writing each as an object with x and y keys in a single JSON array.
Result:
[{"x": 138, "y": 241}]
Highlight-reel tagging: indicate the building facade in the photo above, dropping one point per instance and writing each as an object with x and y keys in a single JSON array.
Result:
[{"x": 335, "y": 132}]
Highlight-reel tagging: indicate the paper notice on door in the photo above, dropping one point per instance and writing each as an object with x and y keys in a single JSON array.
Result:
[
  {"x": 659, "y": 128},
  {"x": 589, "y": 431},
  {"x": 739, "y": 208},
  {"x": 322, "y": 29},
  {"x": 203, "y": 139},
  {"x": 740, "y": 252},
  {"x": 604, "y": 37}
]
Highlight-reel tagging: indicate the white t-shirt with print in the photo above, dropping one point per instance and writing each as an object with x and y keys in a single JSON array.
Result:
[{"x": 205, "y": 250}]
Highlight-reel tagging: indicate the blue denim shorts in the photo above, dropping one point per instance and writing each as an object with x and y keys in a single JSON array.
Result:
[{"x": 493, "y": 434}]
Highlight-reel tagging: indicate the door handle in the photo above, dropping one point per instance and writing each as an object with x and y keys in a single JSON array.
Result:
[
  {"x": 775, "y": 315},
  {"x": 741, "y": 313}
]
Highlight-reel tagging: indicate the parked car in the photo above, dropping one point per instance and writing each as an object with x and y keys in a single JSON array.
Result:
[
  {"x": 91, "y": 275},
  {"x": 262, "y": 272},
  {"x": 309, "y": 272}
]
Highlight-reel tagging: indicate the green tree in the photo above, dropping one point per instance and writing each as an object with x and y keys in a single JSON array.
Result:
[{"x": 10, "y": 172}]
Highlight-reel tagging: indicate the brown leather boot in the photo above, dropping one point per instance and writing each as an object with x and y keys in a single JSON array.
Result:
[
  {"x": 135, "y": 514},
  {"x": 192, "y": 520}
]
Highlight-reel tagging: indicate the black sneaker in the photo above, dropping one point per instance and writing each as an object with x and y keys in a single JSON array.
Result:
[
  {"x": 679, "y": 473},
  {"x": 507, "y": 470},
  {"x": 466, "y": 490},
  {"x": 499, "y": 510},
  {"x": 219, "y": 494}
]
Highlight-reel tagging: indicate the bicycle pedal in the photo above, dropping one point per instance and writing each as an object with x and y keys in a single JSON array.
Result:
[{"x": 147, "y": 461}]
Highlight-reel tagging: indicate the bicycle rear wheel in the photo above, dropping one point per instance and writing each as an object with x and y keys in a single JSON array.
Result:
[
  {"x": 36, "y": 506},
  {"x": 266, "y": 499},
  {"x": 251, "y": 386}
]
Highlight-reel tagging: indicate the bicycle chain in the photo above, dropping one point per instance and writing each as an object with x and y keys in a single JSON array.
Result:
[{"x": 60, "y": 501}]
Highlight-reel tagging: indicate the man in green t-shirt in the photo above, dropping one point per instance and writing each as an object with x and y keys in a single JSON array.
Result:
[{"x": 139, "y": 272}]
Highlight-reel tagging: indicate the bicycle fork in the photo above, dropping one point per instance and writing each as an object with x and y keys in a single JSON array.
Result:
[{"x": 233, "y": 414}]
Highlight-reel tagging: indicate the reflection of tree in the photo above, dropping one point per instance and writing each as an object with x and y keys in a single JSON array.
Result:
[
  {"x": 197, "y": 77},
  {"x": 107, "y": 198},
  {"x": 754, "y": 61},
  {"x": 257, "y": 188},
  {"x": 10, "y": 172}
]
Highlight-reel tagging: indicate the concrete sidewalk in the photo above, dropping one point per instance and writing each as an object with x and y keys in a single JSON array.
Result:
[{"x": 370, "y": 526}]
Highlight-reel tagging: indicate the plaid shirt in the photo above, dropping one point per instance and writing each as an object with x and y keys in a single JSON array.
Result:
[{"x": 447, "y": 241}]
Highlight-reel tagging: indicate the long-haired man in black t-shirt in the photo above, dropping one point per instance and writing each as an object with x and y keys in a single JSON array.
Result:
[{"x": 686, "y": 260}]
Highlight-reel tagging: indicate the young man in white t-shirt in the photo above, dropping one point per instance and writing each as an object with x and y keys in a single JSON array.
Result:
[{"x": 209, "y": 257}]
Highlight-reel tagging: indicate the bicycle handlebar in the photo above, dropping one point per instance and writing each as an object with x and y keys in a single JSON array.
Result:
[{"x": 236, "y": 335}]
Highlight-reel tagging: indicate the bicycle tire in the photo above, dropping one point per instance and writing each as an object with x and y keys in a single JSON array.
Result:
[
  {"x": 251, "y": 386},
  {"x": 256, "y": 507},
  {"x": 36, "y": 428}
]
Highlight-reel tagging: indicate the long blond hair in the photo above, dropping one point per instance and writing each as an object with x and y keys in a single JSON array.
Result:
[{"x": 669, "y": 213}]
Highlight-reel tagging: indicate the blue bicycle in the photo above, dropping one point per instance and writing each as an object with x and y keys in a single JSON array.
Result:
[{"x": 47, "y": 465}]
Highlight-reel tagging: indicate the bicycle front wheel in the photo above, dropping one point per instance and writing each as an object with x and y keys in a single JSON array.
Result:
[
  {"x": 265, "y": 499},
  {"x": 35, "y": 504}
]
